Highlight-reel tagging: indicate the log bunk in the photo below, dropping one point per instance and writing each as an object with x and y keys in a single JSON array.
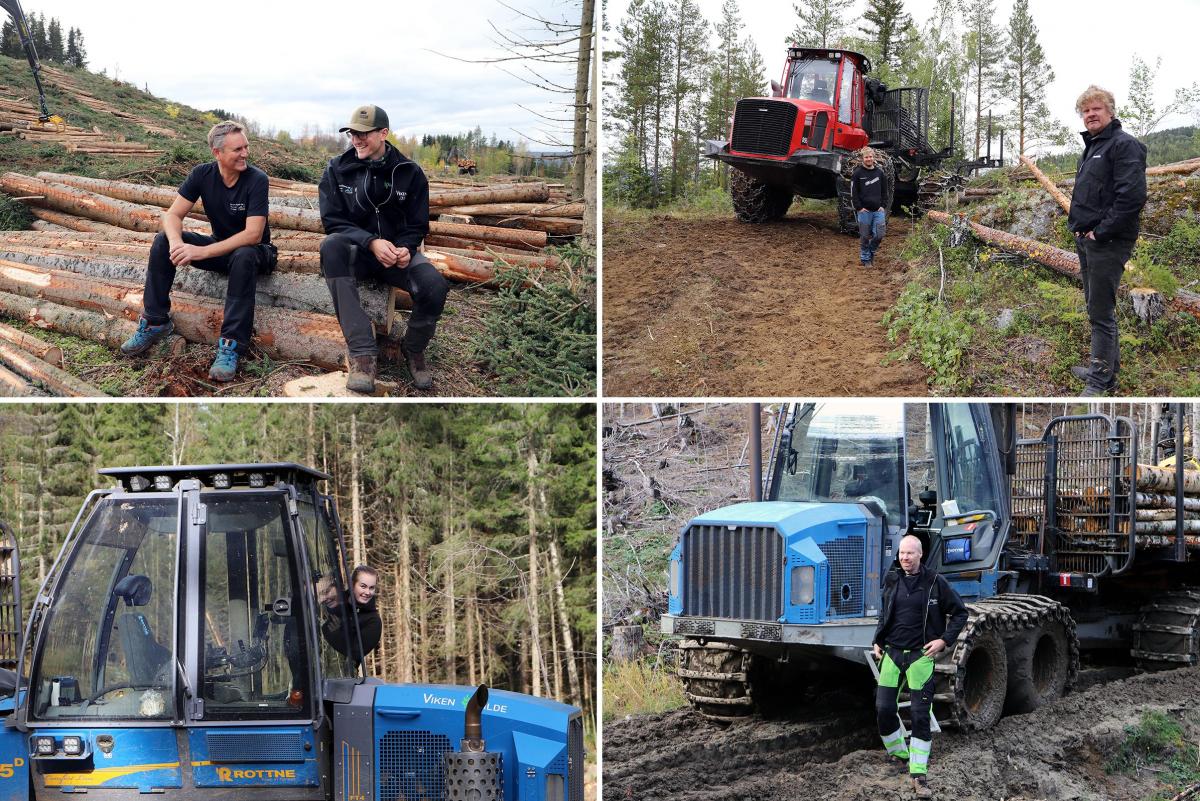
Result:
[{"x": 82, "y": 267}]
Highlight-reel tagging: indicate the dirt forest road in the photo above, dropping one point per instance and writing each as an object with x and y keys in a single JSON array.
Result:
[
  {"x": 716, "y": 307},
  {"x": 1057, "y": 753}
]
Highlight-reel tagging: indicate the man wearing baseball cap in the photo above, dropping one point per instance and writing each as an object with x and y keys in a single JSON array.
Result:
[{"x": 375, "y": 209}]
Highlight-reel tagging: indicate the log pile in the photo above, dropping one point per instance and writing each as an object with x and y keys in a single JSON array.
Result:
[
  {"x": 82, "y": 268},
  {"x": 1155, "y": 500},
  {"x": 67, "y": 83},
  {"x": 19, "y": 118}
]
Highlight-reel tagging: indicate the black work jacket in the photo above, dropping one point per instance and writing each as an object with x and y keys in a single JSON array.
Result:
[
  {"x": 941, "y": 602},
  {"x": 370, "y": 629},
  {"x": 402, "y": 217},
  {"x": 1110, "y": 185}
]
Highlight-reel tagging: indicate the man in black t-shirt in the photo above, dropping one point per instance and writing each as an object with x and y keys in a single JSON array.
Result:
[
  {"x": 234, "y": 197},
  {"x": 867, "y": 193}
]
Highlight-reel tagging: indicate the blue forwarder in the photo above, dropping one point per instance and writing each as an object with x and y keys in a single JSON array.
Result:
[
  {"x": 180, "y": 646},
  {"x": 1058, "y": 544}
]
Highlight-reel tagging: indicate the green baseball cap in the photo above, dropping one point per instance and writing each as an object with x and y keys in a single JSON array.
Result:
[{"x": 366, "y": 118}]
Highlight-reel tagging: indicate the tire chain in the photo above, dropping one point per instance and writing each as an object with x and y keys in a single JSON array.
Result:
[
  {"x": 933, "y": 186},
  {"x": 735, "y": 701},
  {"x": 1004, "y": 614},
  {"x": 1181, "y": 603},
  {"x": 753, "y": 200}
]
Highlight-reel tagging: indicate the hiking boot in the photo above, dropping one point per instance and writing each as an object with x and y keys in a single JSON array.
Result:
[
  {"x": 921, "y": 786},
  {"x": 422, "y": 378},
  {"x": 146, "y": 336},
  {"x": 362, "y": 374},
  {"x": 225, "y": 365},
  {"x": 1081, "y": 371}
]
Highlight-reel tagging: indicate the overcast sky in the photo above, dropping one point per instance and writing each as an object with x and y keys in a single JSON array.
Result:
[
  {"x": 287, "y": 63},
  {"x": 1085, "y": 43}
]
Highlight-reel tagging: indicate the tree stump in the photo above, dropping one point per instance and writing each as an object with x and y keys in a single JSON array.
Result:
[
  {"x": 627, "y": 644},
  {"x": 1148, "y": 304}
]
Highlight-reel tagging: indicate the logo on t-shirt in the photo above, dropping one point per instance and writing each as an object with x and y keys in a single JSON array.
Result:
[
  {"x": 401, "y": 195},
  {"x": 236, "y": 207},
  {"x": 346, "y": 190},
  {"x": 871, "y": 181}
]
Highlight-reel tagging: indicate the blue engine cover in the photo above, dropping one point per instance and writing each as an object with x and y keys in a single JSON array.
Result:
[
  {"x": 416, "y": 724},
  {"x": 14, "y": 759},
  {"x": 720, "y": 548}
]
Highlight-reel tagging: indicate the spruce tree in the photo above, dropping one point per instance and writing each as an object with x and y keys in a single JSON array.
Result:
[
  {"x": 822, "y": 23},
  {"x": 55, "y": 51},
  {"x": 10, "y": 43},
  {"x": 887, "y": 22},
  {"x": 689, "y": 45}
]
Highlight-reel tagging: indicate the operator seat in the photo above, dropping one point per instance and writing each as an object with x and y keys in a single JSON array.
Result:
[
  {"x": 144, "y": 657},
  {"x": 820, "y": 92}
]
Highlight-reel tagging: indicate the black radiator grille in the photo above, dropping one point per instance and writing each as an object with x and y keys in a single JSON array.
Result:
[
  {"x": 845, "y": 557},
  {"x": 764, "y": 127},
  {"x": 733, "y": 572},
  {"x": 411, "y": 767},
  {"x": 575, "y": 754},
  {"x": 246, "y": 747}
]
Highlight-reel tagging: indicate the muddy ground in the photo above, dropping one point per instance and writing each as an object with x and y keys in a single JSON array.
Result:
[
  {"x": 1058, "y": 753},
  {"x": 717, "y": 307}
]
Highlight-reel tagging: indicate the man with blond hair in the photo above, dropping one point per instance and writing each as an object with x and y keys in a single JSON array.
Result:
[
  {"x": 1106, "y": 205},
  {"x": 234, "y": 195},
  {"x": 868, "y": 190}
]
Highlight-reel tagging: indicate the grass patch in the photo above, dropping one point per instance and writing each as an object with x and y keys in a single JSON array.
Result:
[
  {"x": 640, "y": 688},
  {"x": 539, "y": 333},
  {"x": 1158, "y": 743},
  {"x": 14, "y": 215}
]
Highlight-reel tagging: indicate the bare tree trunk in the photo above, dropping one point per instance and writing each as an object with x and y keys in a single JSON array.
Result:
[
  {"x": 310, "y": 454},
  {"x": 535, "y": 630},
  {"x": 356, "y": 518},
  {"x": 556, "y": 577},
  {"x": 403, "y": 570},
  {"x": 555, "y": 656},
  {"x": 485, "y": 672},
  {"x": 590, "y": 206},
  {"x": 472, "y": 677},
  {"x": 422, "y": 599},
  {"x": 451, "y": 644},
  {"x": 583, "y": 156}
]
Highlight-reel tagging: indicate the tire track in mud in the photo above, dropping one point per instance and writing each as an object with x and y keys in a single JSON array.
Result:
[
  {"x": 1057, "y": 753},
  {"x": 719, "y": 307}
]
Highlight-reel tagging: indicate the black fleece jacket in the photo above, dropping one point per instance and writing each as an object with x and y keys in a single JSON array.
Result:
[
  {"x": 1110, "y": 185},
  {"x": 942, "y": 602},
  {"x": 370, "y": 628},
  {"x": 385, "y": 199}
]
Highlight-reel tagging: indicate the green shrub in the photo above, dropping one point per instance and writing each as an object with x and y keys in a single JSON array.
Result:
[
  {"x": 936, "y": 336},
  {"x": 14, "y": 215}
]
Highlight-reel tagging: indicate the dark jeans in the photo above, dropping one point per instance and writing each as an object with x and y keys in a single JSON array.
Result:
[
  {"x": 344, "y": 264},
  {"x": 872, "y": 225},
  {"x": 1101, "y": 265},
  {"x": 242, "y": 266}
]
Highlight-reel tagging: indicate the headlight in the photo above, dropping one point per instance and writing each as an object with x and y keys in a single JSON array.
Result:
[
  {"x": 73, "y": 746},
  {"x": 804, "y": 585},
  {"x": 675, "y": 578},
  {"x": 44, "y": 746}
]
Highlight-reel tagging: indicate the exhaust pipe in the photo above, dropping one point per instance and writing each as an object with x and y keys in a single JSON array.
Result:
[{"x": 472, "y": 772}]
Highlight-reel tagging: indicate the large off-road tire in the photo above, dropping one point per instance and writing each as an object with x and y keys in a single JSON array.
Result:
[
  {"x": 847, "y": 214},
  {"x": 1038, "y": 667},
  {"x": 974, "y": 678},
  {"x": 1167, "y": 635},
  {"x": 716, "y": 679},
  {"x": 755, "y": 201}
]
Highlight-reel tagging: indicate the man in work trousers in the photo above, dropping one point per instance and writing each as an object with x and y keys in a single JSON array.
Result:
[
  {"x": 375, "y": 209},
  {"x": 867, "y": 184},
  {"x": 235, "y": 201},
  {"x": 912, "y": 631},
  {"x": 1106, "y": 206}
]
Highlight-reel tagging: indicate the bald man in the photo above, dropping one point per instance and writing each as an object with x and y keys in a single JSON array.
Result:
[{"x": 922, "y": 614}]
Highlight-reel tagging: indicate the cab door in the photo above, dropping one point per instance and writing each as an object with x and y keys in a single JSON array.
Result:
[
  {"x": 849, "y": 135},
  {"x": 251, "y": 720}
]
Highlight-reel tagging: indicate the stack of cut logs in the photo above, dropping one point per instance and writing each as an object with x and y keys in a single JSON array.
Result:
[
  {"x": 19, "y": 118},
  {"x": 82, "y": 268},
  {"x": 64, "y": 81},
  {"x": 1156, "y": 504}
]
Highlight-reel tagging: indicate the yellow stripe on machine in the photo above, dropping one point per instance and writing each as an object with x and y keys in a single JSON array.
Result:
[{"x": 101, "y": 775}]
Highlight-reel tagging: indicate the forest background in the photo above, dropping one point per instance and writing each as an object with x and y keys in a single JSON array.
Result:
[
  {"x": 481, "y": 518},
  {"x": 673, "y": 79}
]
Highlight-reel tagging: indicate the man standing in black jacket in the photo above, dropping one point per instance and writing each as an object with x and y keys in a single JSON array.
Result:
[
  {"x": 867, "y": 185},
  {"x": 375, "y": 209},
  {"x": 1106, "y": 205},
  {"x": 912, "y": 631}
]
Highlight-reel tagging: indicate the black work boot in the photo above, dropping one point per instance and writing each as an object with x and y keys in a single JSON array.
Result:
[
  {"x": 921, "y": 786},
  {"x": 422, "y": 378},
  {"x": 362, "y": 374}
]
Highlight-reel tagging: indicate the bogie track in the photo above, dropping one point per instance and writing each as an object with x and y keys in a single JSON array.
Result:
[
  {"x": 716, "y": 679},
  {"x": 1167, "y": 636},
  {"x": 1017, "y": 647}
]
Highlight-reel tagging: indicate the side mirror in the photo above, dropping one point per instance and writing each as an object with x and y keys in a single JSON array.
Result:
[{"x": 776, "y": 89}]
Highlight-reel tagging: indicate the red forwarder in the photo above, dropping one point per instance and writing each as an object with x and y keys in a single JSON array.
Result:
[{"x": 803, "y": 139}]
